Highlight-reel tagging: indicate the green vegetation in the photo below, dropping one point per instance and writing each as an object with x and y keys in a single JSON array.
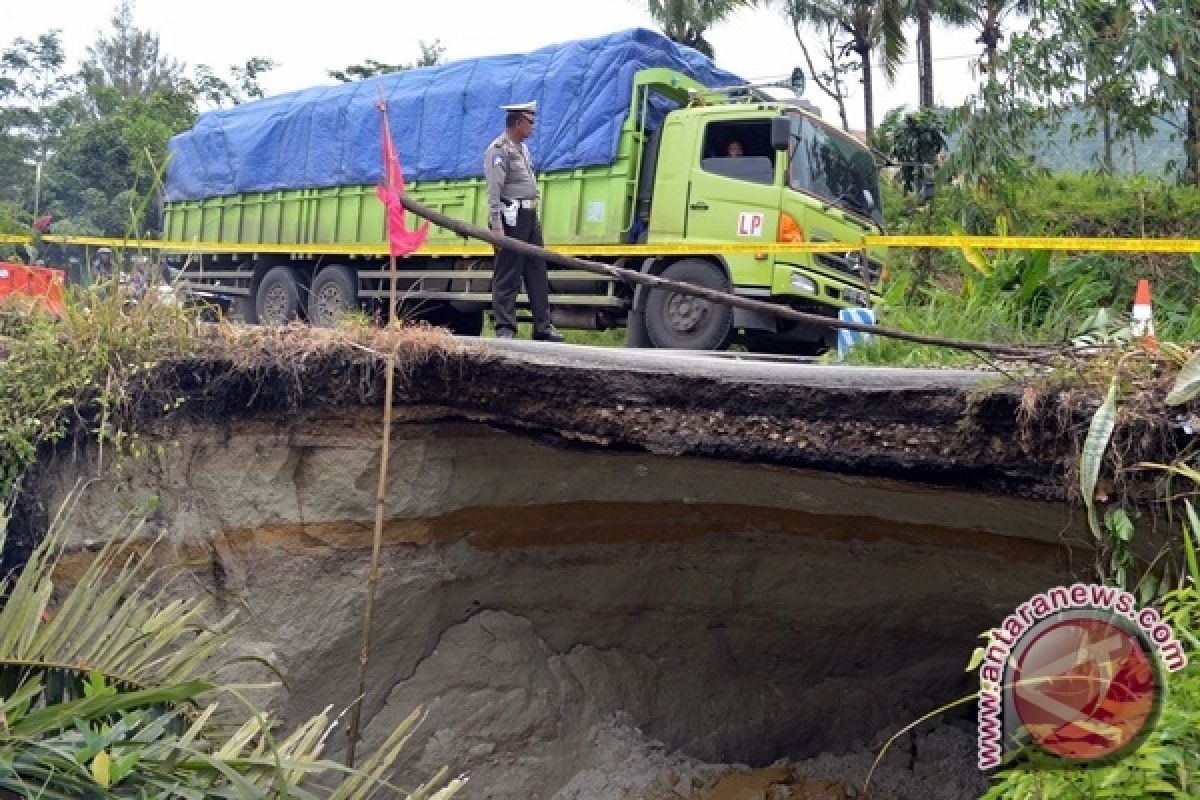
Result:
[
  {"x": 98, "y": 357},
  {"x": 1025, "y": 297},
  {"x": 113, "y": 690},
  {"x": 686, "y": 21},
  {"x": 1167, "y": 763}
]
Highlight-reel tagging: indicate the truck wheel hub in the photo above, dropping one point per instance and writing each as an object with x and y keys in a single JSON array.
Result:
[
  {"x": 330, "y": 302},
  {"x": 686, "y": 313},
  {"x": 275, "y": 304}
]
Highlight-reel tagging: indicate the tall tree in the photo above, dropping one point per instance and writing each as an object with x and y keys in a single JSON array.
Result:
[
  {"x": 1166, "y": 42},
  {"x": 103, "y": 177},
  {"x": 999, "y": 131},
  {"x": 35, "y": 109},
  {"x": 127, "y": 63},
  {"x": 831, "y": 79},
  {"x": 432, "y": 54},
  {"x": 1079, "y": 53},
  {"x": 243, "y": 83},
  {"x": 988, "y": 18},
  {"x": 686, "y": 21},
  {"x": 923, "y": 12},
  {"x": 870, "y": 27}
]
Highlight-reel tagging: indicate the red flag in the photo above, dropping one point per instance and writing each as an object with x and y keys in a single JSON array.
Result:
[{"x": 403, "y": 241}]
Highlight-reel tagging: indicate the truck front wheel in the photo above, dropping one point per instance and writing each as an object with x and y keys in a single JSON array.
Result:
[
  {"x": 682, "y": 322},
  {"x": 277, "y": 301},
  {"x": 334, "y": 292}
]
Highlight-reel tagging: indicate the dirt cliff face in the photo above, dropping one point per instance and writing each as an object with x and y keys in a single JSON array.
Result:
[{"x": 601, "y": 582}]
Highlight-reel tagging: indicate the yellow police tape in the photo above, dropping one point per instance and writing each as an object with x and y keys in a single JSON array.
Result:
[
  {"x": 1075, "y": 243},
  {"x": 1072, "y": 243}
]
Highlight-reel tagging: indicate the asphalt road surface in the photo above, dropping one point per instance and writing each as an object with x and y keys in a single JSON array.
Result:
[{"x": 745, "y": 367}]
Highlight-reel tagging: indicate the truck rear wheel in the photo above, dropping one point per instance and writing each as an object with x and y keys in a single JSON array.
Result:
[
  {"x": 334, "y": 292},
  {"x": 681, "y": 322},
  {"x": 277, "y": 301}
]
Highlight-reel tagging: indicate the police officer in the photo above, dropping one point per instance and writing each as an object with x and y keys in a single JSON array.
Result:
[{"x": 512, "y": 211}]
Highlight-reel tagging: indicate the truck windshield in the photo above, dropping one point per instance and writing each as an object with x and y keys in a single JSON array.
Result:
[{"x": 834, "y": 167}]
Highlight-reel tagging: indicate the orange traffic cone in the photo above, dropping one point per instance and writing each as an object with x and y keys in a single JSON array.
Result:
[{"x": 1142, "y": 326}]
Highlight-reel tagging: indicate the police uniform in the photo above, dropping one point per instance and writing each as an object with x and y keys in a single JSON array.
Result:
[{"x": 513, "y": 196}]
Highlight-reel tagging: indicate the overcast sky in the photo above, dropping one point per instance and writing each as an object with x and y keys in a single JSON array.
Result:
[{"x": 306, "y": 39}]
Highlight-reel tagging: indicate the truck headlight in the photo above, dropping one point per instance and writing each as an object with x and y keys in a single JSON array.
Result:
[{"x": 803, "y": 283}]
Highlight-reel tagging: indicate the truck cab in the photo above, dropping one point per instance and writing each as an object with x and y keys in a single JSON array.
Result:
[{"x": 751, "y": 172}]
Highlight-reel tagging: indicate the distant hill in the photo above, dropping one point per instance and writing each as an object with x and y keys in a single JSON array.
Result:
[{"x": 1152, "y": 156}]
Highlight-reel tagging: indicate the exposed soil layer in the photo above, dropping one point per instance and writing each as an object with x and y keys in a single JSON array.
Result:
[{"x": 606, "y": 583}]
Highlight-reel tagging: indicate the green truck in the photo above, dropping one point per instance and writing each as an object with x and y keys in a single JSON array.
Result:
[{"x": 671, "y": 201}]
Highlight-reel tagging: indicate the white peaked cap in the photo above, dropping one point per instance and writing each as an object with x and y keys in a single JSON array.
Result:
[{"x": 528, "y": 108}]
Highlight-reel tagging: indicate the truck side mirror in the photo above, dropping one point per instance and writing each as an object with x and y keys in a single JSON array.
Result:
[{"x": 781, "y": 133}]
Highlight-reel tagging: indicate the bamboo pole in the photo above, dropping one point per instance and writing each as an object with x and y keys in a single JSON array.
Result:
[{"x": 364, "y": 653}]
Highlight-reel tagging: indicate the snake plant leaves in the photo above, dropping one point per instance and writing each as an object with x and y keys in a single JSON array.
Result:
[
  {"x": 1187, "y": 383},
  {"x": 1099, "y": 432}
]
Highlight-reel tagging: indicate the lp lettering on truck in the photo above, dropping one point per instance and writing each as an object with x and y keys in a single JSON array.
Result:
[
  {"x": 750, "y": 223},
  {"x": 1076, "y": 672}
]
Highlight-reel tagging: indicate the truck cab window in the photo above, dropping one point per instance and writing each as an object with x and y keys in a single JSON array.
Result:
[
  {"x": 835, "y": 168},
  {"x": 739, "y": 150}
]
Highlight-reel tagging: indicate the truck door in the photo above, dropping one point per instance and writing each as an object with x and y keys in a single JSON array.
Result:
[
  {"x": 668, "y": 211},
  {"x": 734, "y": 194}
]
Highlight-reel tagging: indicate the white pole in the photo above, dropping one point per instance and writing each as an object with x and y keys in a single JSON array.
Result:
[{"x": 37, "y": 188}]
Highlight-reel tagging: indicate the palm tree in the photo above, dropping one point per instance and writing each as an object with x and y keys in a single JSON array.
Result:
[
  {"x": 870, "y": 27},
  {"x": 109, "y": 693},
  {"x": 953, "y": 12},
  {"x": 686, "y": 21},
  {"x": 923, "y": 12},
  {"x": 988, "y": 18}
]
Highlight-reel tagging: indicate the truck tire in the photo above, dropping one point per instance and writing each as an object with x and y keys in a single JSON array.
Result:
[
  {"x": 277, "y": 301},
  {"x": 334, "y": 292},
  {"x": 680, "y": 322},
  {"x": 635, "y": 330}
]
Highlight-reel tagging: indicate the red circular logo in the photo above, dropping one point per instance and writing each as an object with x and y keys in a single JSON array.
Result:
[{"x": 1084, "y": 688}]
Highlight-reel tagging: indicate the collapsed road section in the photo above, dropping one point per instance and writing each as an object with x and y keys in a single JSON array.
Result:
[{"x": 607, "y": 574}]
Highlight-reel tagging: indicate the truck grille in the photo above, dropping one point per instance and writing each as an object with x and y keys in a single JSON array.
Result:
[{"x": 849, "y": 263}]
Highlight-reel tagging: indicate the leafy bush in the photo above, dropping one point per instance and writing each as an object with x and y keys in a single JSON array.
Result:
[
  {"x": 1165, "y": 765},
  {"x": 97, "y": 356},
  {"x": 112, "y": 692}
]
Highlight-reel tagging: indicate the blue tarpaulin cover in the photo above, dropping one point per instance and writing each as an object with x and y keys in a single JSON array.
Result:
[{"x": 442, "y": 118}]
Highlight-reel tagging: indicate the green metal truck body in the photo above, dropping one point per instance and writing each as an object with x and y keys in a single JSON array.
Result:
[{"x": 669, "y": 187}]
